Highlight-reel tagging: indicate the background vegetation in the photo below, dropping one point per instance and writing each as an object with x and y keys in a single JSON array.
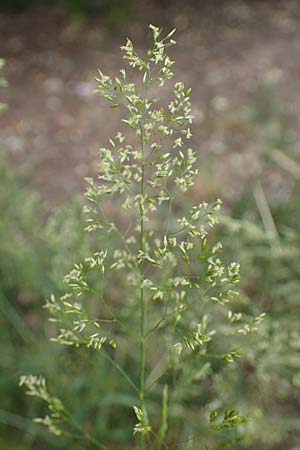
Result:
[{"x": 249, "y": 155}]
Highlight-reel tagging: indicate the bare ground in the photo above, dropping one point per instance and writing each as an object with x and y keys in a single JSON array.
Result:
[{"x": 225, "y": 51}]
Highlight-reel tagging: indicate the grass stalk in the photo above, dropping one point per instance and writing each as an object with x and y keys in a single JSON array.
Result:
[{"x": 142, "y": 299}]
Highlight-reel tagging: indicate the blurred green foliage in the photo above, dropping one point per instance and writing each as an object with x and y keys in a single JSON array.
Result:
[
  {"x": 262, "y": 232},
  {"x": 38, "y": 247},
  {"x": 31, "y": 246}
]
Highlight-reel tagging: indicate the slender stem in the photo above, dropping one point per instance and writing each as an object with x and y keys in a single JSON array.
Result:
[
  {"x": 264, "y": 210},
  {"x": 160, "y": 442},
  {"x": 86, "y": 435},
  {"x": 16, "y": 320},
  {"x": 119, "y": 369},
  {"x": 142, "y": 299}
]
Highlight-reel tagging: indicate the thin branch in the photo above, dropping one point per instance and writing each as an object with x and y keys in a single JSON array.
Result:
[{"x": 119, "y": 369}]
